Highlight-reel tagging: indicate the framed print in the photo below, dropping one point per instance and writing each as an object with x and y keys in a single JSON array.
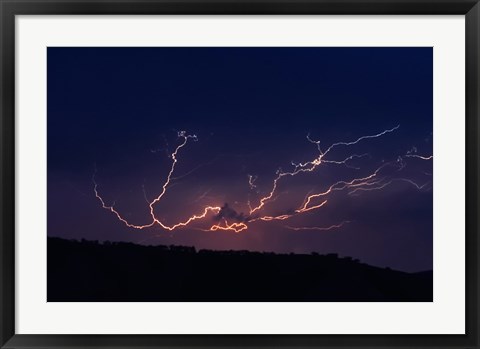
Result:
[{"x": 230, "y": 174}]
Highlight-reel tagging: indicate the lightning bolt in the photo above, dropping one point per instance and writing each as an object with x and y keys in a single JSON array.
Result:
[
  {"x": 310, "y": 166},
  {"x": 215, "y": 209},
  {"x": 251, "y": 181},
  {"x": 412, "y": 153},
  {"x": 419, "y": 156},
  {"x": 376, "y": 180},
  {"x": 384, "y": 184},
  {"x": 236, "y": 227},
  {"x": 333, "y": 226},
  {"x": 341, "y": 185}
]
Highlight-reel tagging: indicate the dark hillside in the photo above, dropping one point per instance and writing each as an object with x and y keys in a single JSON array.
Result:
[{"x": 90, "y": 271}]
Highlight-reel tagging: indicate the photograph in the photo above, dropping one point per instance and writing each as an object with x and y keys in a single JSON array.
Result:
[{"x": 239, "y": 174}]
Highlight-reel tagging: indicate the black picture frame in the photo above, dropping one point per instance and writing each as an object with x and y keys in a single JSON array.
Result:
[{"x": 10, "y": 8}]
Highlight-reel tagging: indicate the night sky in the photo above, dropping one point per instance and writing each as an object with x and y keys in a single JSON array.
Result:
[{"x": 116, "y": 113}]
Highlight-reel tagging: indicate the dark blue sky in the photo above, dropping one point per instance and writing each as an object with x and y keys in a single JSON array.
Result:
[{"x": 251, "y": 109}]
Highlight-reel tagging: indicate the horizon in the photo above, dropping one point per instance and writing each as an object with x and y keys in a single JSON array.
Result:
[{"x": 193, "y": 249}]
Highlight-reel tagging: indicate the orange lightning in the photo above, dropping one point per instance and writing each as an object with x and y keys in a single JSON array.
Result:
[
  {"x": 312, "y": 165},
  {"x": 236, "y": 227},
  {"x": 341, "y": 185},
  {"x": 183, "y": 135}
]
